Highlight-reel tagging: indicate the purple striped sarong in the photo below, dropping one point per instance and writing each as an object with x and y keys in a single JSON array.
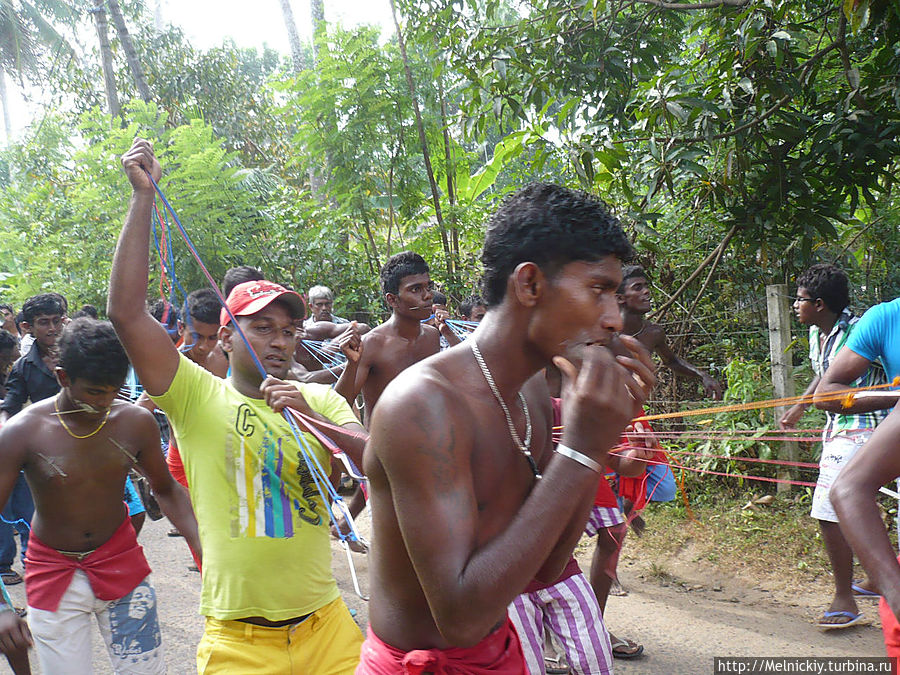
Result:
[
  {"x": 570, "y": 610},
  {"x": 601, "y": 518}
]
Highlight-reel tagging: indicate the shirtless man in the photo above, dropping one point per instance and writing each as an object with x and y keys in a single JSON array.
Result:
[
  {"x": 461, "y": 523},
  {"x": 387, "y": 350},
  {"x": 83, "y": 558},
  {"x": 634, "y": 300}
]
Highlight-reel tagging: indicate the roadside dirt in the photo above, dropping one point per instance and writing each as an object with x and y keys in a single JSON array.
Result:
[{"x": 683, "y": 610}]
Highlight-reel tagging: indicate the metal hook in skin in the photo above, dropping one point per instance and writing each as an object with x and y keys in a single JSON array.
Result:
[
  {"x": 52, "y": 464},
  {"x": 122, "y": 448}
]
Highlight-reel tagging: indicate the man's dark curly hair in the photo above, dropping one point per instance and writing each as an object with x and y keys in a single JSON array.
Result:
[
  {"x": 829, "y": 283},
  {"x": 202, "y": 305},
  {"x": 7, "y": 340},
  {"x": 90, "y": 350},
  {"x": 470, "y": 303},
  {"x": 238, "y": 275},
  {"x": 630, "y": 272},
  {"x": 403, "y": 264},
  {"x": 45, "y": 304},
  {"x": 550, "y": 226}
]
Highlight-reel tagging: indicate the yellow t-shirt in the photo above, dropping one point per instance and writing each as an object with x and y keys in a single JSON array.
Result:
[{"x": 263, "y": 526}]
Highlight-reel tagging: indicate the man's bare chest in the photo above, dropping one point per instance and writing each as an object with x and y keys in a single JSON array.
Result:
[{"x": 56, "y": 457}]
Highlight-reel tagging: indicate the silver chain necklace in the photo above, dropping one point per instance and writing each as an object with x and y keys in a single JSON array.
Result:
[{"x": 523, "y": 447}]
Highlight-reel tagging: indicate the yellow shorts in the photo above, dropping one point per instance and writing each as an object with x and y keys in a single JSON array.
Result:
[{"x": 327, "y": 643}]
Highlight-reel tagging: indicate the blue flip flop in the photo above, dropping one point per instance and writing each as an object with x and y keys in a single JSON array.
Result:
[
  {"x": 864, "y": 592},
  {"x": 852, "y": 620}
]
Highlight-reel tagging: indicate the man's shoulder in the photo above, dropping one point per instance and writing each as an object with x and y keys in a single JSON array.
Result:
[
  {"x": 190, "y": 378},
  {"x": 655, "y": 333},
  {"x": 314, "y": 391},
  {"x": 130, "y": 413},
  {"x": 887, "y": 311},
  {"x": 426, "y": 382},
  {"x": 19, "y": 366},
  {"x": 377, "y": 334}
]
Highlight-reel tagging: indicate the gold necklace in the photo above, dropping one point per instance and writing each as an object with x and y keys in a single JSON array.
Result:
[{"x": 59, "y": 415}]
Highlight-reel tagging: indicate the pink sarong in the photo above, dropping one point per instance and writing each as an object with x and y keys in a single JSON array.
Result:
[{"x": 500, "y": 653}]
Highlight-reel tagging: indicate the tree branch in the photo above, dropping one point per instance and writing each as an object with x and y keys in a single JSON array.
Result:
[
  {"x": 713, "y": 4},
  {"x": 804, "y": 72},
  {"x": 696, "y": 273}
]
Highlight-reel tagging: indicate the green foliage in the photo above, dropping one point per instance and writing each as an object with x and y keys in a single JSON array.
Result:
[{"x": 776, "y": 122}]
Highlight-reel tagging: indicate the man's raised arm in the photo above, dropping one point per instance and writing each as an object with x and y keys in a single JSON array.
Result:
[
  {"x": 679, "y": 366},
  {"x": 149, "y": 348},
  {"x": 356, "y": 371}
]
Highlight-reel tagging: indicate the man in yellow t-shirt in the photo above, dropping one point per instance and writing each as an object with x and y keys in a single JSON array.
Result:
[{"x": 270, "y": 600}]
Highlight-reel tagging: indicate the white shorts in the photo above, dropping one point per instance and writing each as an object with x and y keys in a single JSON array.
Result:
[
  {"x": 570, "y": 610},
  {"x": 602, "y": 517},
  {"x": 129, "y": 626},
  {"x": 835, "y": 455}
]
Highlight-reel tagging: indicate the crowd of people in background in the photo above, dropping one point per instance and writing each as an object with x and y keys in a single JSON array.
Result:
[{"x": 469, "y": 430}]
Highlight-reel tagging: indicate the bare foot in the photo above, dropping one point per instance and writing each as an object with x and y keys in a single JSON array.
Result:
[{"x": 355, "y": 545}]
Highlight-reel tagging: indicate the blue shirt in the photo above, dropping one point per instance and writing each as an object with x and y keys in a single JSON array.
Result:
[{"x": 877, "y": 336}]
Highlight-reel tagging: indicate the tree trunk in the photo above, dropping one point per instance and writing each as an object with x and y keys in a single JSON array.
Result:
[
  {"x": 426, "y": 156},
  {"x": 293, "y": 36},
  {"x": 7, "y": 123},
  {"x": 109, "y": 77},
  {"x": 134, "y": 63},
  {"x": 656, "y": 314},
  {"x": 450, "y": 170},
  {"x": 157, "y": 16},
  {"x": 317, "y": 15}
]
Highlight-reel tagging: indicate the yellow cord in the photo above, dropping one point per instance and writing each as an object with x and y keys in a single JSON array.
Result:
[{"x": 846, "y": 396}]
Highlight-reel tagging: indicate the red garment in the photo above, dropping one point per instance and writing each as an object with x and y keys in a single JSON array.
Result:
[
  {"x": 634, "y": 488},
  {"x": 605, "y": 495},
  {"x": 890, "y": 628},
  {"x": 500, "y": 653},
  {"x": 571, "y": 570},
  {"x": 176, "y": 466},
  {"x": 113, "y": 570}
]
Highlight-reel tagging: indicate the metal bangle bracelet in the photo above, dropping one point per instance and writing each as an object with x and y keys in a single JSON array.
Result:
[{"x": 579, "y": 457}]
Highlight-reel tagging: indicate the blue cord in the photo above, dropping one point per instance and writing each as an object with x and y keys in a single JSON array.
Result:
[{"x": 309, "y": 457}]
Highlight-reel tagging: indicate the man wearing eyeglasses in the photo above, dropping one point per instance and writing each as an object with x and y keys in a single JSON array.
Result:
[{"x": 821, "y": 304}]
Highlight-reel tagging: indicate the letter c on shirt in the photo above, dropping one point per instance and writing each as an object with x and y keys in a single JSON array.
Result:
[{"x": 242, "y": 423}]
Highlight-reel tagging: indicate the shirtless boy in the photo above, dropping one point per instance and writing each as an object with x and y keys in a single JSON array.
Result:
[
  {"x": 399, "y": 342},
  {"x": 83, "y": 558},
  {"x": 634, "y": 300},
  {"x": 461, "y": 522},
  {"x": 380, "y": 355}
]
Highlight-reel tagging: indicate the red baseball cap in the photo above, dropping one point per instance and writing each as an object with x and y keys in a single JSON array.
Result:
[{"x": 251, "y": 297}]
